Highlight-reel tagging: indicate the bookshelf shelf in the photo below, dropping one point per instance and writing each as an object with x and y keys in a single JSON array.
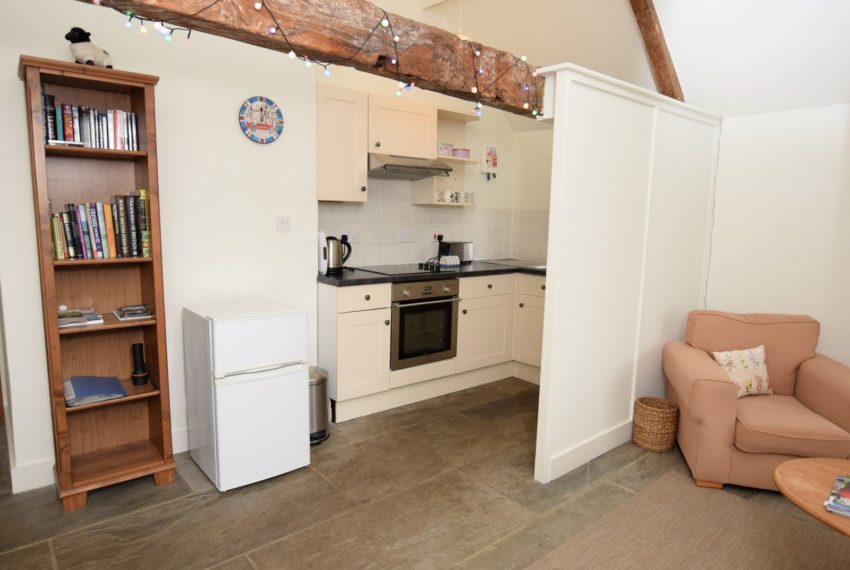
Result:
[
  {"x": 84, "y": 152},
  {"x": 457, "y": 159},
  {"x": 114, "y": 463},
  {"x": 110, "y": 322},
  {"x": 133, "y": 393},
  {"x": 126, "y": 438},
  {"x": 59, "y": 263}
]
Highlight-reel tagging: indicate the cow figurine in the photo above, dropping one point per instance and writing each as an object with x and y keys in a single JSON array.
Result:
[{"x": 86, "y": 52}]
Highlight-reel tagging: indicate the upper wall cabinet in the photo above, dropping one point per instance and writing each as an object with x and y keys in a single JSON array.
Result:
[
  {"x": 402, "y": 127},
  {"x": 341, "y": 139}
]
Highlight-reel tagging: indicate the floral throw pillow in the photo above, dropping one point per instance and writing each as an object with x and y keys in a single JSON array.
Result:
[{"x": 747, "y": 368}]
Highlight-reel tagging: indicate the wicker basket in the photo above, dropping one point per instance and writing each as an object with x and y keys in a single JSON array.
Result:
[{"x": 655, "y": 424}]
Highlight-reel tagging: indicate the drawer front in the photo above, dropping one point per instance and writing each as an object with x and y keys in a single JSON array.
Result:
[
  {"x": 472, "y": 287},
  {"x": 534, "y": 285},
  {"x": 363, "y": 298}
]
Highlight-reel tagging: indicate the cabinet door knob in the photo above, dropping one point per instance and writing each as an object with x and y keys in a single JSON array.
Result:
[
  {"x": 543, "y": 287},
  {"x": 368, "y": 297},
  {"x": 489, "y": 285},
  {"x": 387, "y": 323},
  {"x": 521, "y": 305},
  {"x": 362, "y": 188},
  {"x": 378, "y": 143},
  {"x": 464, "y": 311}
]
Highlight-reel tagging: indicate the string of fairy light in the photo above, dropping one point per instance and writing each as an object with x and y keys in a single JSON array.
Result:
[{"x": 275, "y": 29}]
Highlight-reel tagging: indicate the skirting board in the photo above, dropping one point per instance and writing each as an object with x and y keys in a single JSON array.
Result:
[
  {"x": 565, "y": 461},
  {"x": 404, "y": 395},
  {"x": 33, "y": 475},
  {"x": 527, "y": 372}
]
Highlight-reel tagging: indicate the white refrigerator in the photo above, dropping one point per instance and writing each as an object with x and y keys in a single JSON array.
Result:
[{"x": 247, "y": 390}]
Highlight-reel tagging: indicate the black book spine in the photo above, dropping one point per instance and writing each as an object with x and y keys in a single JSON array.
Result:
[
  {"x": 50, "y": 117},
  {"x": 71, "y": 210},
  {"x": 70, "y": 242},
  {"x": 132, "y": 225},
  {"x": 116, "y": 229},
  {"x": 123, "y": 240},
  {"x": 44, "y": 113}
]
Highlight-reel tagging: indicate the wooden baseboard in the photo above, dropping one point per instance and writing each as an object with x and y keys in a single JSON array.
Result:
[
  {"x": 708, "y": 484},
  {"x": 527, "y": 372}
]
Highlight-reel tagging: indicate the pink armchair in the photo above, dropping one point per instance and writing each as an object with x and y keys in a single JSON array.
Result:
[{"x": 726, "y": 439}]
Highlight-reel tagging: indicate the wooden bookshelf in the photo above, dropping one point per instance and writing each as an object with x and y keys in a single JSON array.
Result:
[{"x": 125, "y": 438}]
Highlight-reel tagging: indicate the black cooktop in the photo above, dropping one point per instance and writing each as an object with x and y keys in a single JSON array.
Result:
[{"x": 402, "y": 269}]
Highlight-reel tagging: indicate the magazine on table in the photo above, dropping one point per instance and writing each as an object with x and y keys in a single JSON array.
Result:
[{"x": 839, "y": 499}]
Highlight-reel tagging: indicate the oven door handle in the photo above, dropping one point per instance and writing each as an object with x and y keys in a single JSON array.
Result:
[{"x": 434, "y": 302}]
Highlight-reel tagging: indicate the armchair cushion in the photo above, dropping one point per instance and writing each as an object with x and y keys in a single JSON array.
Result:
[
  {"x": 823, "y": 385},
  {"x": 781, "y": 424},
  {"x": 788, "y": 340}
]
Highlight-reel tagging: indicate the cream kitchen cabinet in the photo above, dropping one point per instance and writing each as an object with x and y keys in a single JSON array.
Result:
[
  {"x": 363, "y": 353},
  {"x": 528, "y": 329},
  {"x": 342, "y": 144},
  {"x": 485, "y": 331},
  {"x": 402, "y": 127}
]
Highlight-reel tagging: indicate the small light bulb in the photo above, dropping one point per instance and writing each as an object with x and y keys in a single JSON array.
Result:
[
  {"x": 534, "y": 73},
  {"x": 393, "y": 61},
  {"x": 164, "y": 31},
  {"x": 143, "y": 29},
  {"x": 292, "y": 54},
  {"x": 157, "y": 26},
  {"x": 398, "y": 93},
  {"x": 525, "y": 87},
  {"x": 308, "y": 63},
  {"x": 258, "y": 5},
  {"x": 96, "y": 2},
  {"x": 272, "y": 30},
  {"x": 408, "y": 87},
  {"x": 481, "y": 71},
  {"x": 385, "y": 22},
  {"x": 534, "y": 111},
  {"x": 474, "y": 89},
  {"x": 401, "y": 84},
  {"x": 523, "y": 58},
  {"x": 396, "y": 38},
  {"x": 129, "y": 23},
  {"x": 326, "y": 72},
  {"x": 412, "y": 84},
  {"x": 525, "y": 105},
  {"x": 168, "y": 38},
  {"x": 478, "y": 111},
  {"x": 478, "y": 53}
]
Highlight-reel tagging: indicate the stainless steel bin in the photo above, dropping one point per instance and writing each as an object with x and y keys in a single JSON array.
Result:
[{"x": 319, "y": 404}]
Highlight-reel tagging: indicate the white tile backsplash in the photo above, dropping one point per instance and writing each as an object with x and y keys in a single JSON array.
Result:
[{"x": 377, "y": 223}]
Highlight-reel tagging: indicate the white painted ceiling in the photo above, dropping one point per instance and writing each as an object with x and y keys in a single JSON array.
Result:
[{"x": 735, "y": 57}]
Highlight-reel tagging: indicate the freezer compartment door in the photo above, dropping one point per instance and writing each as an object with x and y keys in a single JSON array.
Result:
[
  {"x": 255, "y": 343},
  {"x": 262, "y": 426}
]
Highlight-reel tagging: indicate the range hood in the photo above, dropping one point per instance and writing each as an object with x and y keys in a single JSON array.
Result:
[{"x": 393, "y": 167}]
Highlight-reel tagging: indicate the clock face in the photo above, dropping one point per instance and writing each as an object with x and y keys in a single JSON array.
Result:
[{"x": 261, "y": 120}]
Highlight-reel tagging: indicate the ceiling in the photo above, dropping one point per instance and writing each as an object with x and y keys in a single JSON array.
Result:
[{"x": 736, "y": 57}]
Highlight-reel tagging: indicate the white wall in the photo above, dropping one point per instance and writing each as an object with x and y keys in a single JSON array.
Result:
[
  {"x": 631, "y": 181},
  {"x": 219, "y": 194},
  {"x": 781, "y": 235}
]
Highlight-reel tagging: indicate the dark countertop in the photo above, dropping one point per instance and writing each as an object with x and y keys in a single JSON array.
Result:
[{"x": 475, "y": 269}]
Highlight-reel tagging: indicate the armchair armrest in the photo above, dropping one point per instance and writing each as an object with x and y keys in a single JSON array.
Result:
[
  {"x": 708, "y": 403},
  {"x": 823, "y": 386}
]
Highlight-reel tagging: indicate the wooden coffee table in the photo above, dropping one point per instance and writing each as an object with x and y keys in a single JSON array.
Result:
[{"x": 807, "y": 483}]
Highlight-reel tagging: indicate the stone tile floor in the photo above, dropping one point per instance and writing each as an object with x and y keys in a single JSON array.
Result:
[{"x": 442, "y": 483}]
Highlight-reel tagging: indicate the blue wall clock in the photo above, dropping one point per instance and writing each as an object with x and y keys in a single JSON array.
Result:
[{"x": 261, "y": 120}]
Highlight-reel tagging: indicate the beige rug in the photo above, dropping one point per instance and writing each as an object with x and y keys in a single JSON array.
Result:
[{"x": 675, "y": 524}]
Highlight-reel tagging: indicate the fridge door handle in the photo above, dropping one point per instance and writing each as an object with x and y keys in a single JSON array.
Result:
[{"x": 257, "y": 373}]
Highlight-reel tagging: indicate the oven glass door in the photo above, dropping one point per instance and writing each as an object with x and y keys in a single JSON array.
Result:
[{"x": 423, "y": 332}]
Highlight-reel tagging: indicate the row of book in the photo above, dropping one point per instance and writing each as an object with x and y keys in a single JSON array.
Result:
[
  {"x": 839, "y": 499},
  {"x": 81, "y": 125},
  {"x": 89, "y": 316},
  {"x": 120, "y": 228}
]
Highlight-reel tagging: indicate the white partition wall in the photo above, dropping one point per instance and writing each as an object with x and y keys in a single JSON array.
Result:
[{"x": 632, "y": 186}]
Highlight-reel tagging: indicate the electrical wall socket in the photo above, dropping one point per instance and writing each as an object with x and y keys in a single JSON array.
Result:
[
  {"x": 281, "y": 224},
  {"x": 406, "y": 236},
  {"x": 434, "y": 235}
]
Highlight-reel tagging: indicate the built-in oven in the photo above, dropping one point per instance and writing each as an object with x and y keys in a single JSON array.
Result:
[{"x": 424, "y": 322}]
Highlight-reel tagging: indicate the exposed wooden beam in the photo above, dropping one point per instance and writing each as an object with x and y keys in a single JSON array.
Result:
[
  {"x": 433, "y": 58},
  {"x": 663, "y": 70}
]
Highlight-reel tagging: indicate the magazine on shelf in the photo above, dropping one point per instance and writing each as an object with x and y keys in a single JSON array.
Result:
[
  {"x": 132, "y": 313},
  {"x": 84, "y": 390},
  {"x": 79, "y": 318}
]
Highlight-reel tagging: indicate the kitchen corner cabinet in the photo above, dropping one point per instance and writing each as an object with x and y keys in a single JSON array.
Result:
[
  {"x": 485, "y": 331},
  {"x": 528, "y": 329},
  {"x": 109, "y": 442},
  {"x": 402, "y": 127},
  {"x": 342, "y": 144}
]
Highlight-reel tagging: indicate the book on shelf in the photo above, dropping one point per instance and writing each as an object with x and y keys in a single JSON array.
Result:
[
  {"x": 79, "y": 318},
  {"x": 83, "y": 390},
  {"x": 132, "y": 313},
  {"x": 97, "y": 230},
  {"x": 66, "y": 124},
  {"x": 839, "y": 499}
]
